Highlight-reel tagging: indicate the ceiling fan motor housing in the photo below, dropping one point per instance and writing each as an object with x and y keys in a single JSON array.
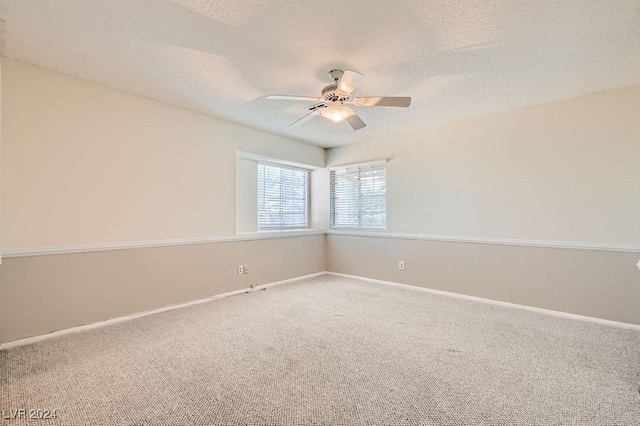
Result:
[
  {"x": 330, "y": 94},
  {"x": 336, "y": 75}
]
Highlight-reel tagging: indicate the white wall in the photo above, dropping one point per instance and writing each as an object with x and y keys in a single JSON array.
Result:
[
  {"x": 246, "y": 195},
  {"x": 565, "y": 171},
  {"x": 83, "y": 164},
  {"x": 86, "y": 164},
  {"x": 319, "y": 187}
]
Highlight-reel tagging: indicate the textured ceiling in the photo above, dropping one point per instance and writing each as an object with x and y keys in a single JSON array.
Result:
[{"x": 457, "y": 59}]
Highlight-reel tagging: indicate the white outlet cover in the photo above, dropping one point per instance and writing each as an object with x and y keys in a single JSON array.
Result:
[{"x": 638, "y": 264}]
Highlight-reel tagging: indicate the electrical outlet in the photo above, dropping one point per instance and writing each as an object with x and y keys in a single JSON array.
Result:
[
  {"x": 245, "y": 269},
  {"x": 638, "y": 264},
  {"x": 401, "y": 265},
  {"x": 240, "y": 269}
]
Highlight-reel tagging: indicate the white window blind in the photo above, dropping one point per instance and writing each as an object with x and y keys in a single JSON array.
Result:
[
  {"x": 282, "y": 197},
  {"x": 359, "y": 196}
]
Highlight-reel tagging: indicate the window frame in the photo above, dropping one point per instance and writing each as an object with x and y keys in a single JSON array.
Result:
[
  {"x": 361, "y": 168},
  {"x": 307, "y": 195}
]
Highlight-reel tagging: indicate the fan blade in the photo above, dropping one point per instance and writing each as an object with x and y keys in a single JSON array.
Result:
[
  {"x": 355, "y": 121},
  {"x": 383, "y": 101},
  {"x": 314, "y": 107},
  {"x": 305, "y": 118},
  {"x": 291, "y": 98},
  {"x": 348, "y": 82}
]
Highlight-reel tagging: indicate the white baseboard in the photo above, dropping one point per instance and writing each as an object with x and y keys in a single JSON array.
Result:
[
  {"x": 84, "y": 327},
  {"x": 288, "y": 281},
  {"x": 495, "y": 302},
  {"x": 39, "y": 338}
]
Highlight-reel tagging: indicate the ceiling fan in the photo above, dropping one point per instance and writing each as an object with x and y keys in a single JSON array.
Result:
[{"x": 335, "y": 96}]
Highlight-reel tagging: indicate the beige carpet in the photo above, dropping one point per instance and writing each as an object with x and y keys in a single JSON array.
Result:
[{"x": 332, "y": 351}]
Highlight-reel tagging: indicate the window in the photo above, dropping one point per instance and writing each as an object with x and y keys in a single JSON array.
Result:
[
  {"x": 282, "y": 197},
  {"x": 359, "y": 196}
]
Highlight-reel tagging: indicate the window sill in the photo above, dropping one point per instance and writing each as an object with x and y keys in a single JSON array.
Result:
[
  {"x": 279, "y": 233},
  {"x": 357, "y": 229}
]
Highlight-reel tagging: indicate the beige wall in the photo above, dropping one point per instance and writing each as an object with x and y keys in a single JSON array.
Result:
[
  {"x": 86, "y": 164},
  {"x": 47, "y": 293},
  {"x": 565, "y": 171},
  {"x": 1, "y": 133},
  {"x": 601, "y": 284}
]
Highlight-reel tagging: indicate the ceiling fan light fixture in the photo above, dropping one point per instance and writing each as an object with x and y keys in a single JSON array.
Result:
[{"x": 337, "y": 114}]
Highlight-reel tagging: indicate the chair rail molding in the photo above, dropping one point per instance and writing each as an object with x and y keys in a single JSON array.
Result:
[
  {"x": 41, "y": 251},
  {"x": 632, "y": 248}
]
